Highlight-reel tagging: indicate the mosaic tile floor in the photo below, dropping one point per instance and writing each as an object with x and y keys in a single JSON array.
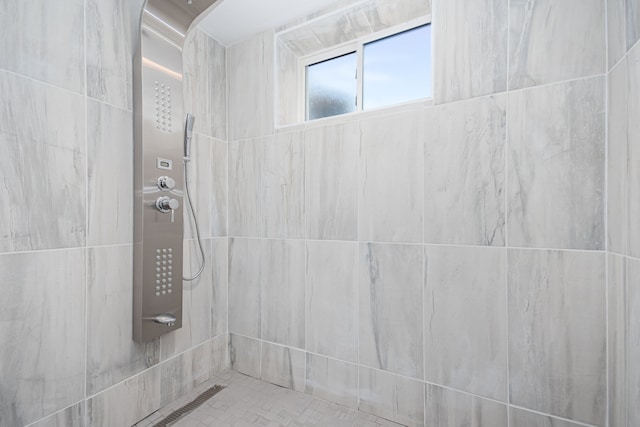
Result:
[{"x": 249, "y": 402}]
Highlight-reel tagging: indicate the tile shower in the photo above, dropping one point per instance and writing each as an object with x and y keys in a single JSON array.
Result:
[{"x": 467, "y": 260}]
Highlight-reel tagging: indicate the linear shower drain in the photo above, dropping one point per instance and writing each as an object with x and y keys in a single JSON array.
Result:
[{"x": 180, "y": 412}]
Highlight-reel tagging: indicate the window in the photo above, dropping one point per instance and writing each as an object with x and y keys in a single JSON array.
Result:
[{"x": 394, "y": 69}]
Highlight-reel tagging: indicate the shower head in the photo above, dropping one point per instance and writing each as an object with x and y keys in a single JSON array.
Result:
[{"x": 188, "y": 133}]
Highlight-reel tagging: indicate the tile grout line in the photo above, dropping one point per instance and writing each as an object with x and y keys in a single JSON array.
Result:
[{"x": 87, "y": 220}]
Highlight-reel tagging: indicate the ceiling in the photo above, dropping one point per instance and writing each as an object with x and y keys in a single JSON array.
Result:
[{"x": 235, "y": 20}]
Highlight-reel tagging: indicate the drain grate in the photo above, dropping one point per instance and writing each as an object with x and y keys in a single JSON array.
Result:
[{"x": 178, "y": 413}]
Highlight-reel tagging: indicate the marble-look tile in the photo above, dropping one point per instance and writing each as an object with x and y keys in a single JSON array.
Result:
[
  {"x": 128, "y": 402},
  {"x": 251, "y": 87},
  {"x": 332, "y": 380},
  {"x": 555, "y": 166},
  {"x": 383, "y": 14},
  {"x": 219, "y": 286},
  {"x": 44, "y": 41},
  {"x": 449, "y": 408},
  {"x": 73, "y": 416},
  {"x": 395, "y": 398},
  {"x": 245, "y": 354},
  {"x": 465, "y": 313},
  {"x": 391, "y": 312},
  {"x": 470, "y": 50},
  {"x": 245, "y": 186},
  {"x": 289, "y": 92},
  {"x": 617, "y": 161},
  {"x": 180, "y": 375},
  {"x": 557, "y": 333},
  {"x": 464, "y": 172},
  {"x": 200, "y": 186},
  {"x": 219, "y": 188},
  {"x": 205, "y": 89},
  {"x": 109, "y": 148},
  {"x": 632, "y": 22},
  {"x": 617, "y": 336},
  {"x": 522, "y": 418},
  {"x": 391, "y": 185},
  {"x": 282, "y": 291},
  {"x": 283, "y": 186},
  {"x": 112, "y": 355},
  {"x": 109, "y": 64},
  {"x": 633, "y": 341},
  {"x": 244, "y": 286},
  {"x": 555, "y": 40},
  {"x": 331, "y": 181},
  {"x": 42, "y": 138},
  {"x": 633, "y": 151},
  {"x": 196, "y": 303},
  {"x": 616, "y": 31},
  {"x": 43, "y": 297},
  {"x": 220, "y": 357},
  {"x": 301, "y": 41},
  {"x": 283, "y": 366},
  {"x": 332, "y": 299}
]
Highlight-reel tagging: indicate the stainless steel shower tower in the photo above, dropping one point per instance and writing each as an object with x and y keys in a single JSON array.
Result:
[{"x": 159, "y": 135}]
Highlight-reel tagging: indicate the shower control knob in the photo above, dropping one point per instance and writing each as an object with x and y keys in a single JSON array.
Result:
[
  {"x": 167, "y": 204},
  {"x": 166, "y": 183}
]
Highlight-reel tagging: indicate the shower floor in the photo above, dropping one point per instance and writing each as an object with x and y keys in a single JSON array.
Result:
[{"x": 246, "y": 401}]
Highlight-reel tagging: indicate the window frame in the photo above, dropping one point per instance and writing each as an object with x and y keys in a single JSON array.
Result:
[{"x": 357, "y": 46}]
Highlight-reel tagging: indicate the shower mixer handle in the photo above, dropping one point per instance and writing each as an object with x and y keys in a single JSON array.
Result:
[
  {"x": 166, "y": 183},
  {"x": 166, "y": 204}
]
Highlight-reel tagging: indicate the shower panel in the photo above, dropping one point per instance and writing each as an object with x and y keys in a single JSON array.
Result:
[{"x": 161, "y": 127}]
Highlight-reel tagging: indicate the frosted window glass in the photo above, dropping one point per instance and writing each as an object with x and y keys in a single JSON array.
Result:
[
  {"x": 397, "y": 68},
  {"x": 332, "y": 87}
]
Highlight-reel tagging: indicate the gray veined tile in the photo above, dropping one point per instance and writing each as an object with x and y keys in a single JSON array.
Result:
[
  {"x": 219, "y": 286},
  {"x": 465, "y": 314},
  {"x": 632, "y": 22},
  {"x": 633, "y": 149},
  {"x": 200, "y": 186},
  {"x": 251, "y": 87},
  {"x": 383, "y": 14},
  {"x": 219, "y": 188},
  {"x": 196, "y": 303},
  {"x": 331, "y": 181},
  {"x": 555, "y": 40},
  {"x": 244, "y": 286},
  {"x": 555, "y": 166},
  {"x": 283, "y": 186},
  {"x": 245, "y": 188},
  {"x": 557, "y": 333},
  {"x": 109, "y": 64},
  {"x": 391, "y": 289},
  {"x": 617, "y": 161},
  {"x": 616, "y": 31},
  {"x": 470, "y": 50},
  {"x": 283, "y": 366},
  {"x": 332, "y": 380},
  {"x": 42, "y": 138},
  {"x": 127, "y": 402},
  {"x": 449, "y": 408},
  {"x": 633, "y": 341},
  {"x": 245, "y": 355},
  {"x": 41, "y": 40},
  {"x": 112, "y": 355},
  {"x": 220, "y": 354},
  {"x": 183, "y": 373},
  {"x": 465, "y": 173},
  {"x": 289, "y": 87},
  {"x": 282, "y": 291},
  {"x": 110, "y": 149},
  {"x": 43, "y": 312},
  {"x": 617, "y": 280},
  {"x": 522, "y": 418},
  {"x": 390, "y": 184},
  {"x": 395, "y": 398},
  {"x": 73, "y": 416},
  {"x": 332, "y": 299}
]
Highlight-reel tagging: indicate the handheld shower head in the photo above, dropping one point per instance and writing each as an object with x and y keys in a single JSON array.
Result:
[{"x": 188, "y": 133}]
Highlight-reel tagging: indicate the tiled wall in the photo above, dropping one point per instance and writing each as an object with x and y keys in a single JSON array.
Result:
[
  {"x": 67, "y": 357},
  {"x": 623, "y": 192},
  {"x": 443, "y": 263}
]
